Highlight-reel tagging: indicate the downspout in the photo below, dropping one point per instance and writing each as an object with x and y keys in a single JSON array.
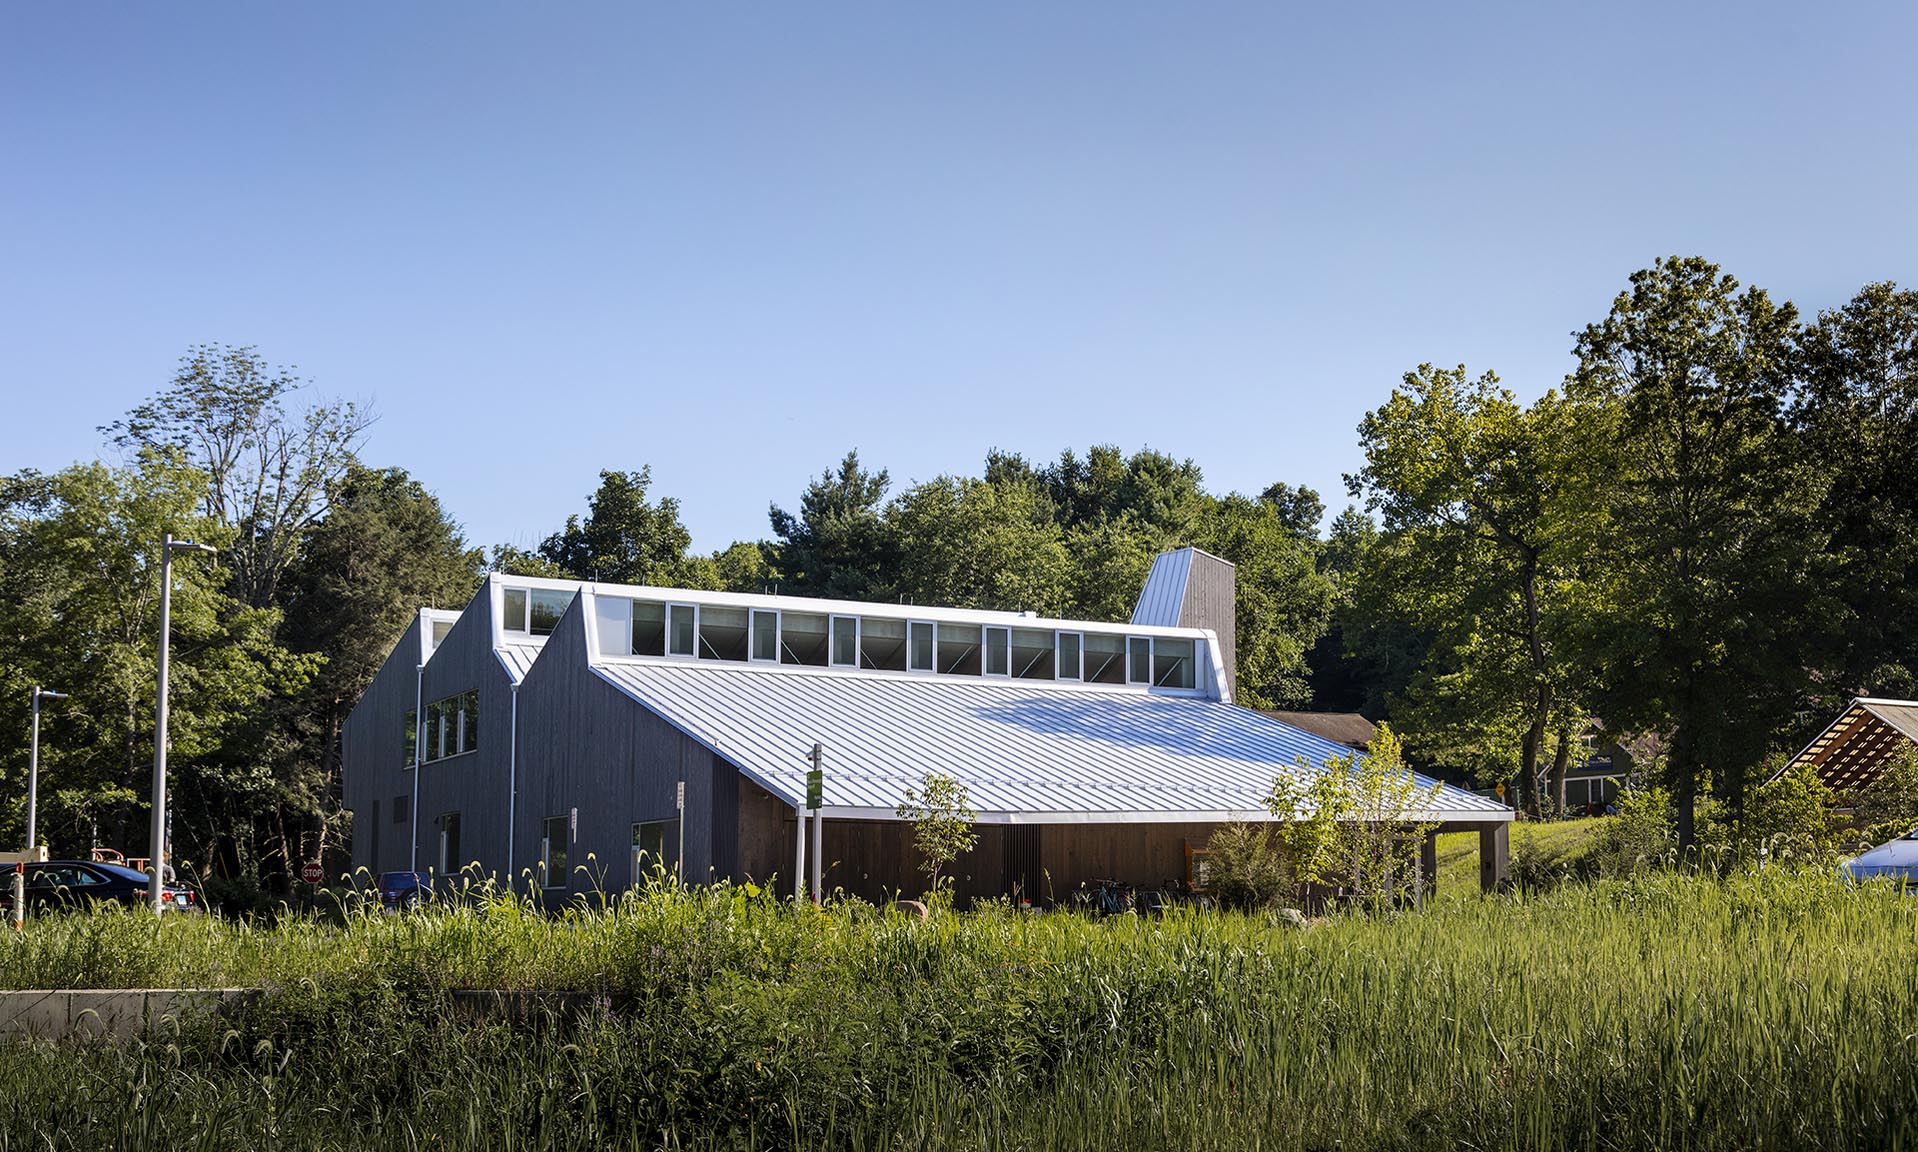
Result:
[
  {"x": 413, "y": 837},
  {"x": 512, "y": 783}
]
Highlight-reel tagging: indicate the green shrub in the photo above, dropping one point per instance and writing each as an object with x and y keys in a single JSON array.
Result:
[
  {"x": 1246, "y": 868},
  {"x": 1643, "y": 834}
]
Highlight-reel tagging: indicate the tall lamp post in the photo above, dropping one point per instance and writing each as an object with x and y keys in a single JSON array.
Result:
[
  {"x": 156, "y": 886},
  {"x": 33, "y": 802}
]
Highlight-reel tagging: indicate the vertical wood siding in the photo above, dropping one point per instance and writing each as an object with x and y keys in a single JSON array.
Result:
[
  {"x": 474, "y": 784},
  {"x": 1211, "y": 602},
  {"x": 373, "y": 761}
]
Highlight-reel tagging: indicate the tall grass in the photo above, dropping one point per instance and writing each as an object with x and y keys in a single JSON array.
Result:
[{"x": 1770, "y": 1011}]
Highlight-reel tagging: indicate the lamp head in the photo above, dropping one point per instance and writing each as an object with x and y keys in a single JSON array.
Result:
[{"x": 49, "y": 694}]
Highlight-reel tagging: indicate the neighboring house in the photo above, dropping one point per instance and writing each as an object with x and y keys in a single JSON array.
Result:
[
  {"x": 1347, "y": 728},
  {"x": 545, "y": 735},
  {"x": 1854, "y": 748}
]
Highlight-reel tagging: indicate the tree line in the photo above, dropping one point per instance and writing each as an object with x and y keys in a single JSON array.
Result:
[{"x": 1701, "y": 542}]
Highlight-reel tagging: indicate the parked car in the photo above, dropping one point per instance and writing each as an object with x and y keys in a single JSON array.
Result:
[
  {"x": 402, "y": 891},
  {"x": 70, "y": 883}
]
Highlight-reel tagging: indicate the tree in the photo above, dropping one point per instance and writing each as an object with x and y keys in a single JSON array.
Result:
[
  {"x": 839, "y": 545},
  {"x": 1710, "y": 507},
  {"x": 625, "y": 538},
  {"x": 79, "y": 604},
  {"x": 966, "y": 543},
  {"x": 385, "y": 550},
  {"x": 266, "y": 473},
  {"x": 1300, "y": 509},
  {"x": 1858, "y": 411},
  {"x": 1283, "y": 602},
  {"x": 942, "y": 817},
  {"x": 1476, "y": 488}
]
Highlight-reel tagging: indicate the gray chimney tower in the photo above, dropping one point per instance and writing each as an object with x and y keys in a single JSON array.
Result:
[{"x": 1188, "y": 588}]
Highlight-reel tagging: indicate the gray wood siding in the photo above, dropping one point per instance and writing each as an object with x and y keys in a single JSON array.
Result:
[
  {"x": 1211, "y": 602},
  {"x": 584, "y": 745},
  {"x": 373, "y": 762},
  {"x": 474, "y": 784}
]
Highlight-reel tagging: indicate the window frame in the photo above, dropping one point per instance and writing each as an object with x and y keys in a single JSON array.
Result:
[
  {"x": 985, "y": 650},
  {"x": 546, "y": 851},
  {"x": 1132, "y": 676},
  {"x": 449, "y": 861},
  {"x": 752, "y": 635},
  {"x": 832, "y": 641},
  {"x": 931, "y": 669},
  {"x": 1078, "y": 656},
  {"x": 506, "y": 610},
  {"x": 671, "y": 609}
]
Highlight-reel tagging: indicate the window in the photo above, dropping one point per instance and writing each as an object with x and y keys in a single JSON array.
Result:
[
  {"x": 1069, "y": 655},
  {"x": 1172, "y": 664},
  {"x": 680, "y": 619},
  {"x": 450, "y": 862},
  {"x": 440, "y": 629},
  {"x": 919, "y": 646},
  {"x": 959, "y": 649},
  {"x": 998, "y": 652},
  {"x": 547, "y": 607},
  {"x": 845, "y": 641},
  {"x": 1032, "y": 654},
  {"x": 410, "y": 739},
  {"x": 1104, "y": 658},
  {"x": 802, "y": 639},
  {"x": 1140, "y": 648},
  {"x": 552, "y": 852},
  {"x": 515, "y": 610},
  {"x": 722, "y": 633},
  {"x": 649, "y": 629},
  {"x": 401, "y": 809},
  {"x": 655, "y": 848},
  {"x": 882, "y": 644},
  {"x": 765, "y": 635},
  {"x": 452, "y": 726}
]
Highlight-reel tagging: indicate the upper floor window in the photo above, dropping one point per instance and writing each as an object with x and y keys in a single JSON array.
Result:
[
  {"x": 534, "y": 611},
  {"x": 451, "y": 728}
]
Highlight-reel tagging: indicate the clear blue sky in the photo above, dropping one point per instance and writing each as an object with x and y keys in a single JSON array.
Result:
[{"x": 733, "y": 242}]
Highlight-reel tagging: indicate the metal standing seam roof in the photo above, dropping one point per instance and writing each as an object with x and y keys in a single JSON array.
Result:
[
  {"x": 1026, "y": 754},
  {"x": 1163, "y": 597},
  {"x": 518, "y": 659}
]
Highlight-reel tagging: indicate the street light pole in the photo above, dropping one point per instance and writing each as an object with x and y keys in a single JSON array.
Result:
[
  {"x": 158, "y": 848},
  {"x": 33, "y": 765}
]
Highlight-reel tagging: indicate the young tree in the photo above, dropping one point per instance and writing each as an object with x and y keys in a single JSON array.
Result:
[
  {"x": 942, "y": 817},
  {"x": 1709, "y": 506},
  {"x": 266, "y": 472},
  {"x": 1357, "y": 822}
]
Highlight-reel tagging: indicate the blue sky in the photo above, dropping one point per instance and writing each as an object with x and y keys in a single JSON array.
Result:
[{"x": 734, "y": 242}]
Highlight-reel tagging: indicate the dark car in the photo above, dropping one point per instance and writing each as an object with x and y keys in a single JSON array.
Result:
[
  {"x": 69, "y": 883},
  {"x": 403, "y": 890}
]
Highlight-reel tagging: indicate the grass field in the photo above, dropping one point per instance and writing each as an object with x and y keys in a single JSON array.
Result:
[{"x": 1664, "y": 1011}]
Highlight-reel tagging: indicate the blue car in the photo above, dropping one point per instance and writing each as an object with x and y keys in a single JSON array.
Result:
[
  {"x": 402, "y": 891},
  {"x": 55, "y": 884},
  {"x": 1896, "y": 860}
]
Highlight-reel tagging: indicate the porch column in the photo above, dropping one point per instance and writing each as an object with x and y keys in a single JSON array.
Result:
[
  {"x": 1428, "y": 863},
  {"x": 1494, "y": 855}
]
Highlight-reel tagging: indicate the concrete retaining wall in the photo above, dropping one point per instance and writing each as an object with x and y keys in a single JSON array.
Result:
[{"x": 124, "y": 1013}]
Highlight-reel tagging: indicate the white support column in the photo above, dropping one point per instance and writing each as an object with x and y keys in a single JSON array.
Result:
[
  {"x": 818, "y": 855},
  {"x": 799, "y": 856}
]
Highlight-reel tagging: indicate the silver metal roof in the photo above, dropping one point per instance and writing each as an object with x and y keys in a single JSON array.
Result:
[
  {"x": 1026, "y": 754},
  {"x": 518, "y": 658},
  {"x": 1163, "y": 597}
]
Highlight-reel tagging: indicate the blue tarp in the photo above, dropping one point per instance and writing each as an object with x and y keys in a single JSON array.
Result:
[{"x": 1897, "y": 860}]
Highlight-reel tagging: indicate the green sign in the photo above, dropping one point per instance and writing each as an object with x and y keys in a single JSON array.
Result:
[{"x": 815, "y": 789}]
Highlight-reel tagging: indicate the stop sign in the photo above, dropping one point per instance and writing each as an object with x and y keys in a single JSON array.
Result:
[{"x": 311, "y": 872}]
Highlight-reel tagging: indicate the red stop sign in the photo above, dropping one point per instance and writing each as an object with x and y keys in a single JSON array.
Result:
[{"x": 311, "y": 872}]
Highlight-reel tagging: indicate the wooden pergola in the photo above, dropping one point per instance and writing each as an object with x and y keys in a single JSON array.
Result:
[{"x": 1854, "y": 749}]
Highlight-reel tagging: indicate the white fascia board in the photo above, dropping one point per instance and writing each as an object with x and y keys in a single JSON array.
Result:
[
  {"x": 836, "y": 607},
  {"x": 840, "y": 671},
  {"x": 1216, "y": 816}
]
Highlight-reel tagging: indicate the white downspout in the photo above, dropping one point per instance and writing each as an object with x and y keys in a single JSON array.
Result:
[
  {"x": 512, "y": 783},
  {"x": 413, "y": 837}
]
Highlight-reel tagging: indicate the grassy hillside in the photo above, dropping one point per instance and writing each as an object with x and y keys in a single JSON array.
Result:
[{"x": 1555, "y": 840}]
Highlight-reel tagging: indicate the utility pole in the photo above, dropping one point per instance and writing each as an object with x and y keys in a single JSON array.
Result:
[{"x": 156, "y": 886}]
